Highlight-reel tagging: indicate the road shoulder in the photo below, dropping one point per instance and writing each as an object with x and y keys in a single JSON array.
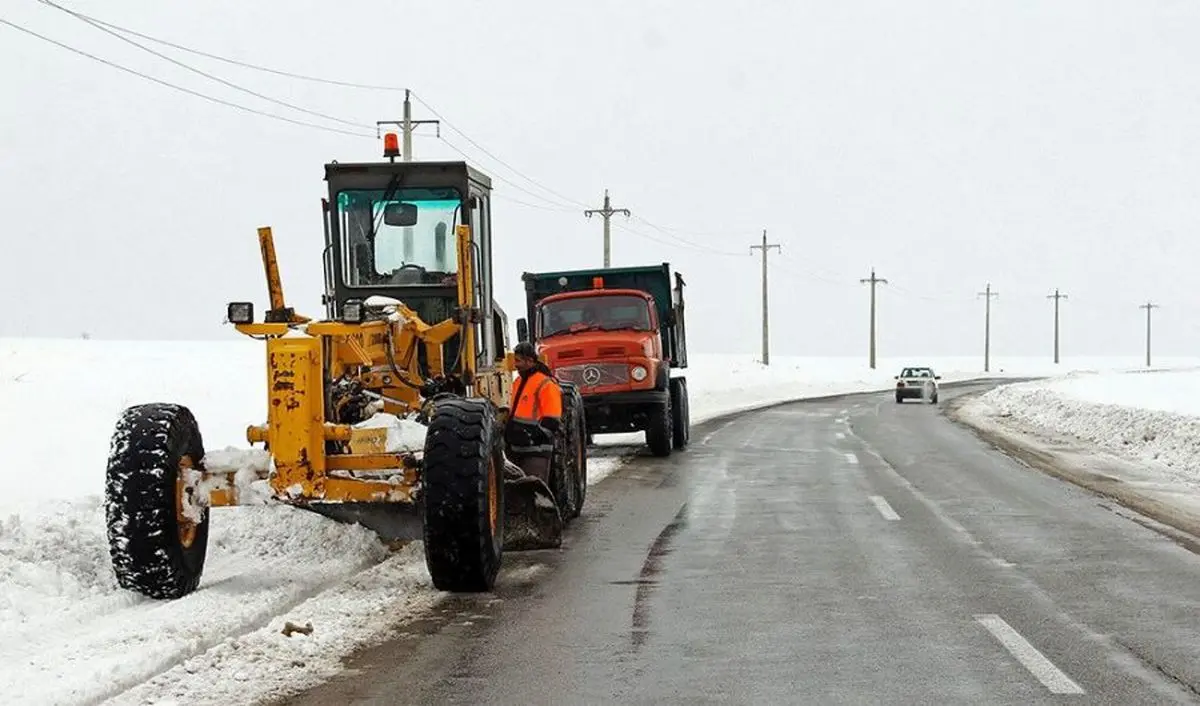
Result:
[{"x": 1167, "y": 507}]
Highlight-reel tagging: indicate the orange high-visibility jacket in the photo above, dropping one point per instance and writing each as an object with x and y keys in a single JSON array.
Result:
[{"x": 534, "y": 398}]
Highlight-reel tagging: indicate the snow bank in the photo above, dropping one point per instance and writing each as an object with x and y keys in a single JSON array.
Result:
[
  {"x": 1151, "y": 417},
  {"x": 71, "y": 636}
]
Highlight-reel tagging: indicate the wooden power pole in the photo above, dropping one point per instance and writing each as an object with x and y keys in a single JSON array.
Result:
[
  {"x": 765, "y": 247},
  {"x": 873, "y": 280},
  {"x": 987, "y": 294},
  {"x": 1056, "y": 297}
]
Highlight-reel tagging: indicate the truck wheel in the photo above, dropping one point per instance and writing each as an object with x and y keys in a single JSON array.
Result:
[
  {"x": 462, "y": 495},
  {"x": 157, "y": 537},
  {"x": 568, "y": 455},
  {"x": 681, "y": 415},
  {"x": 658, "y": 433},
  {"x": 583, "y": 461},
  {"x": 580, "y": 443}
]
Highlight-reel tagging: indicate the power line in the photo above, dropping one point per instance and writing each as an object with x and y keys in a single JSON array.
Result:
[
  {"x": 511, "y": 183},
  {"x": 205, "y": 74},
  {"x": 484, "y": 150},
  {"x": 189, "y": 91},
  {"x": 244, "y": 64},
  {"x": 101, "y": 24}
]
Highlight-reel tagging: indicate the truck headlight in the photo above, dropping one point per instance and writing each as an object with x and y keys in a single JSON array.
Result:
[
  {"x": 352, "y": 311},
  {"x": 639, "y": 373},
  {"x": 240, "y": 312}
]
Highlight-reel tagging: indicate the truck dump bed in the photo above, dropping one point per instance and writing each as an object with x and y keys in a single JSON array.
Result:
[{"x": 655, "y": 280}]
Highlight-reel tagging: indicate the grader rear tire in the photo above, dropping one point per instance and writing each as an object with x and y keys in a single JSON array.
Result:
[
  {"x": 462, "y": 496},
  {"x": 157, "y": 548}
]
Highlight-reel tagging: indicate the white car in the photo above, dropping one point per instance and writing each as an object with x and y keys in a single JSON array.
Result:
[{"x": 918, "y": 383}]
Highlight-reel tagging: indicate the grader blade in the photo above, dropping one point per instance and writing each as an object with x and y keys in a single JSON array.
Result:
[
  {"x": 392, "y": 522},
  {"x": 531, "y": 517}
]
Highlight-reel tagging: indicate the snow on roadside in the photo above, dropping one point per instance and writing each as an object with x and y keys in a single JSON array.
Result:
[
  {"x": 1151, "y": 417},
  {"x": 72, "y": 636}
]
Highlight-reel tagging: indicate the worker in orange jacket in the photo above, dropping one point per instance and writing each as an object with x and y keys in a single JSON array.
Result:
[{"x": 535, "y": 413}]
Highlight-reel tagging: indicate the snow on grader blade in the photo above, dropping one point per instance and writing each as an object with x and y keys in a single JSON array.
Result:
[{"x": 346, "y": 393}]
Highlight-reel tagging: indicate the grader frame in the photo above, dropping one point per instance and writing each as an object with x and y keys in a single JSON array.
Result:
[{"x": 374, "y": 354}]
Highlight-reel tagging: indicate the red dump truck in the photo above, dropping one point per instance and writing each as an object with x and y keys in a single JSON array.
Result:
[{"x": 619, "y": 335}]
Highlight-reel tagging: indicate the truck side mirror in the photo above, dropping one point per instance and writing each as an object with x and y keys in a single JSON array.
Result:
[{"x": 522, "y": 330}]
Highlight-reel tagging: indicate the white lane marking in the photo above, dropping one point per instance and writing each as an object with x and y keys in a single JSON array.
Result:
[
  {"x": 840, "y": 435},
  {"x": 1049, "y": 675},
  {"x": 851, "y": 458},
  {"x": 884, "y": 509},
  {"x": 718, "y": 430}
]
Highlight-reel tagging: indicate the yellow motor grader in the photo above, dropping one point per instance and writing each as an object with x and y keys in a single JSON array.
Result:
[{"x": 406, "y": 243}]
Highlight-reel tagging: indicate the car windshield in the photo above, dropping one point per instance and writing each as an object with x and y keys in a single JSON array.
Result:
[
  {"x": 594, "y": 313},
  {"x": 917, "y": 373},
  {"x": 379, "y": 254}
]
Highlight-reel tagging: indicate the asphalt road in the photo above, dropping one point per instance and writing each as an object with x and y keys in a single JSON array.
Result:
[{"x": 840, "y": 551}]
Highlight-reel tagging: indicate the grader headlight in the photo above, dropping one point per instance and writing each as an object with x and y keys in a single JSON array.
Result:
[{"x": 240, "y": 312}]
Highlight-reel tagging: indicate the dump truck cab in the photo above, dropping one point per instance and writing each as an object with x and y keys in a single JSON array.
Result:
[
  {"x": 578, "y": 331},
  {"x": 617, "y": 334}
]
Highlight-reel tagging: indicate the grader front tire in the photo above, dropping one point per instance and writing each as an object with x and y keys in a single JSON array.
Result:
[
  {"x": 462, "y": 495},
  {"x": 158, "y": 539}
]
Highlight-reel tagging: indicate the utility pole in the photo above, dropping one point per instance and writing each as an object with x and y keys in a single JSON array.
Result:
[
  {"x": 407, "y": 125},
  {"x": 987, "y": 293},
  {"x": 1056, "y": 297},
  {"x": 873, "y": 280},
  {"x": 1148, "y": 306},
  {"x": 607, "y": 212},
  {"x": 765, "y": 247}
]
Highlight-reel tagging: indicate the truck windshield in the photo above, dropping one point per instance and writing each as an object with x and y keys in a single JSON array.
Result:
[
  {"x": 595, "y": 313},
  {"x": 378, "y": 254}
]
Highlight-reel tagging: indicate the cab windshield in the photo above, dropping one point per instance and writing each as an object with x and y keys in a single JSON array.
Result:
[
  {"x": 602, "y": 313},
  {"x": 381, "y": 254}
]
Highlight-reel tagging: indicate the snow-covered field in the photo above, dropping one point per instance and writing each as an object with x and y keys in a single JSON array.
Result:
[
  {"x": 1150, "y": 417},
  {"x": 71, "y": 636}
]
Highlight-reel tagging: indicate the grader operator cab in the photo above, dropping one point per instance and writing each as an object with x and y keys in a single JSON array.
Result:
[{"x": 411, "y": 336}]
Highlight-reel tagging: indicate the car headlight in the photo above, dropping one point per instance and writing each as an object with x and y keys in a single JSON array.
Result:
[
  {"x": 639, "y": 373},
  {"x": 240, "y": 312},
  {"x": 352, "y": 311}
]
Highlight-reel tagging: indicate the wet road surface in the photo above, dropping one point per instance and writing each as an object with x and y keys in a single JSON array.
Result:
[{"x": 839, "y": 551}]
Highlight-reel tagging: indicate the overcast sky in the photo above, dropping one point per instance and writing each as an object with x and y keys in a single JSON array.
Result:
[{"x": 1030, "y": 144}]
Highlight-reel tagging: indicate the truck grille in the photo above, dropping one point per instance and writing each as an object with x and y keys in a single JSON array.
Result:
[{"x": 595, "y": 374}]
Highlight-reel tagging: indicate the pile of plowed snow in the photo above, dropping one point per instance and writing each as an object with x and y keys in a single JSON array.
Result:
[{"x": 1151, "y": 416}]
